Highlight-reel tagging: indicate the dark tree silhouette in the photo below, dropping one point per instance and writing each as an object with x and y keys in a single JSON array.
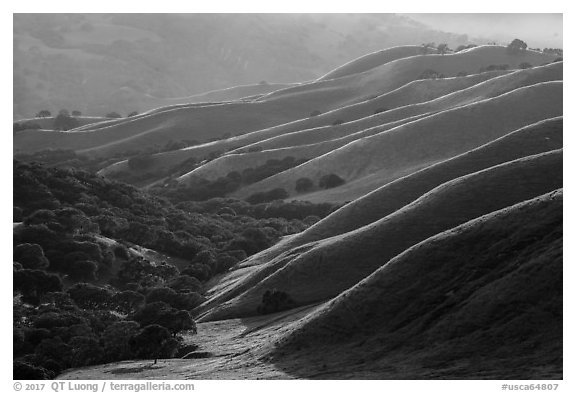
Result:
[
  {"x": 153, "y": 342},
  {"x": 304, "y": 184},
  {"x": 330, "y": 181},
  {"x": 43, "y": 113},
  {"x": 442, "y": 48},
  {"x": 516, "y": 46},
  {"x": 113, "y": 115}
]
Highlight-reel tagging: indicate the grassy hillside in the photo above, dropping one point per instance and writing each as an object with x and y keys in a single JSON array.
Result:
[
  {"x": 376, "y": 59},
  {"x": 340, "y": 135},
  {"x": 289, "y": 104},
  {"x": 373, "y": 161},
  {"x": 414, "y": 92},
  {"x": 321, "y": 270},
  {"x": 483, "y": 300},
  {"x": 537, "y": 138}
]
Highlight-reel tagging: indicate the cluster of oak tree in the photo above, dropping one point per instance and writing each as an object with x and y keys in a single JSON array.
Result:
[{"x": 86, "y": 288}]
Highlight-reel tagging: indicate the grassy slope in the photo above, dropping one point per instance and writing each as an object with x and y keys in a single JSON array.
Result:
[
  {"x": 483, "y": 300},
  {"x": 414, "y": 92},
  {"x": 536, "y": 138},
  {"x": 373, "y": 161},
  {"x": 321, "y": 270},
  {"x": 275, "y": 108},
  {"x": 343, "y": 134},
  {"x": 373, "y": 60}
]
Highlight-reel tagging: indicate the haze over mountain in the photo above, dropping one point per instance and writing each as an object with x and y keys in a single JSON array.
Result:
[
  {"x": 541, "y": 30},
  {"x": 98, "y": 63},
  {"x": 381, "y": 208}
]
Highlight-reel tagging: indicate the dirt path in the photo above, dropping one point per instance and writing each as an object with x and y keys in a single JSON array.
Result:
[{"x": 236, "y": 347}]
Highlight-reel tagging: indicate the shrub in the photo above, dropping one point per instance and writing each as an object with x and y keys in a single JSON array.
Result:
[
  {"x": 525, "y": 65},
  {"x": 330, "y": 181},
  {"x": 132, "y": 114},
  {"x": 495, "y": 67},
  {"x": 113, "y": 115},
  {"x": 83, "y": 270},
  {"x": 315, "y": 113},
  {"x": 90, "y": 296},
  {"x": 379, "y": 110},
  {"x": 43, "y": 113},
  {"x": 338, "y": 122},
  {"x": 255, "y": 149},
  {"x": 128, "y": 301},
  {"x": 431, "y": 74},
  {"x": 275, "y": 301},
  {"x": 199, "y": 271},
  {"x": 304, "y": 184},
  {"x": 185, "y": 283},
  {"x": 179, "y": 301},
  {"x": 30, "y": 256},
  {"x": 34, "y": 283}
]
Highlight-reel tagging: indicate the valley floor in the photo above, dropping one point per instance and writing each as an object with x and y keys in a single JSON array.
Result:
[{"x": 239, "y": 349}]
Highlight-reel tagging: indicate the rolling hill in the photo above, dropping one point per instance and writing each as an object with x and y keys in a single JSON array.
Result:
[
  {"x": 537, "y": 138},
  {"x": 482, "y": 300},
  {"x": 373, "y": 161},
  {"x": 433, "y": 250},
  {"x": 321, "y": 270},
  {"x": 214, "y": 121},
  {"x": 341, "y": 135},
  {"x": 376, "y": 59},
  {"x": 414, "y": 92}
]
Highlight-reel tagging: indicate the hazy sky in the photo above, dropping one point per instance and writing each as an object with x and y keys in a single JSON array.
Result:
[{"x": 537, "y": 30}]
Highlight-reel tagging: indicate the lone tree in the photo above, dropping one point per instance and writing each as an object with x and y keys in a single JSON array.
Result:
[
  {"x": 64, "y": 121},
  {"x": 516, "y": 46},
  {"x": 442, "y": 48},
  {"x": 153, "y": 342}
]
